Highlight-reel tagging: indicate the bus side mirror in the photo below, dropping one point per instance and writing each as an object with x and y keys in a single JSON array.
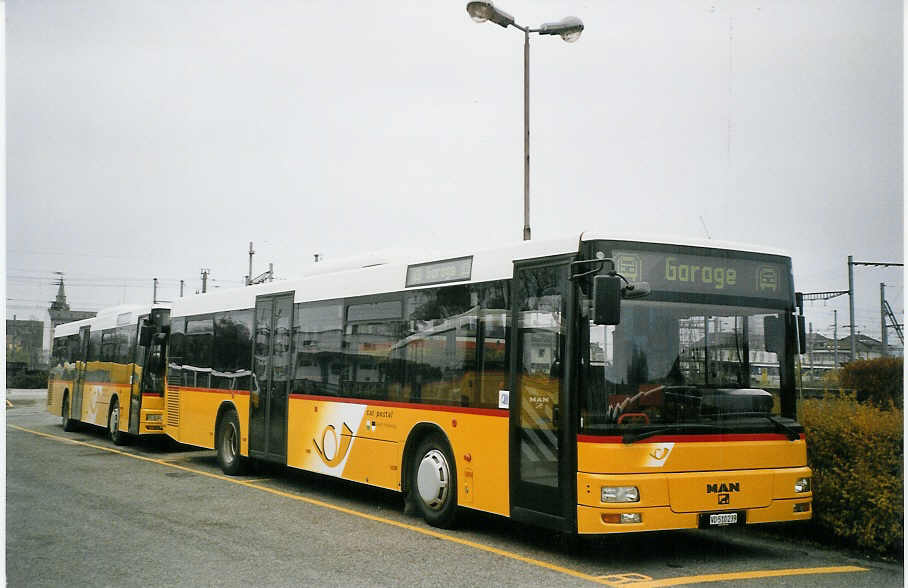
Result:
[
  {"x": 802, "y": 335},
  {"x": 145, "y": 334},
  {"x": 773, "y": 334},
  {"x": 607, "y": 300}
]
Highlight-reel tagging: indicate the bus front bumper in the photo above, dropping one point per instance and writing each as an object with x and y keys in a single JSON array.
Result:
[{"x": 591, "y": 519}]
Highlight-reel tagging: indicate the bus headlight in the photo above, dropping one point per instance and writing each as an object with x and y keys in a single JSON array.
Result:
[
  {"x": 802, "y": 485},
  {"x": 153, "y": 417},
  {"x": 620, "y": 494}
]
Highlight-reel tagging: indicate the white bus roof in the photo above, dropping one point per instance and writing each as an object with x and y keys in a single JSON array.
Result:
[
  {"x": 355, "y": 280},
  {"x": 114, "y": 316}
]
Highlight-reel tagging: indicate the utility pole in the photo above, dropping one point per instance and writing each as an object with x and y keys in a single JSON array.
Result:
[
  {"x": 835, "y": 338},
  {"x": 154, "y": 295},
  {"x": 851, "y": 302},
  {"x": 181, "y": 288},
  {"x": 251, "y": 253},
  {"x": 851, "y": 264},
  {"x": 810, "y": 351},
  {"x": 205, "y": 272},
  {"x": 884, "y": 338}
]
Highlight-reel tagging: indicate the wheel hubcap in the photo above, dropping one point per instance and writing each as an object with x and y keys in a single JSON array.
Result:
[
  {"x": 229, "y": 443},
  {"x": 115, "y": 420},
  {"x": 433, "y": 479}
]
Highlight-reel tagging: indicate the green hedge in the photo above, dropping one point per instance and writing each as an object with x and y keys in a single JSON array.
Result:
[
  {"x": 855, "y": 451},
  {"x": 876, "y": 380},
  {"x": 33, "y": 380}
]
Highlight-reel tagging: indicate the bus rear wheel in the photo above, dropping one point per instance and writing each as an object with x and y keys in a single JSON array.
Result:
[
  {"x": 68, "y": 423},
  {"x": 228, "y": 445},
  {"x": 113, "y": 425},
  {"x": 434, "y": 483}
]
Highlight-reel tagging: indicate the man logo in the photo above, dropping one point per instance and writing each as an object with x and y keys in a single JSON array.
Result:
[
  {"x": 724, "y": 498},
  {"x": 723, "y": 488}
]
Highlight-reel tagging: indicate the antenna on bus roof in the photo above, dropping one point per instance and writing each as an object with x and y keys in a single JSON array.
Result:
[{"x": 705, "y": 230}]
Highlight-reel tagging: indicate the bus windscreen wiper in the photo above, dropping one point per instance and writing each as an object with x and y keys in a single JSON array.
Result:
[
  {"x": 629, "y": 438},
  {"x": 779, "y": 425}
]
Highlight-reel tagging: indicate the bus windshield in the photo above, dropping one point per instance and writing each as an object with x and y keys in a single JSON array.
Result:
[{"x": 671, "y": 363}]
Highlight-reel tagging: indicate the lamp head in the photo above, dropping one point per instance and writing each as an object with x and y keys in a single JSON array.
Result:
[
  {"x": 569, "y": 28},
  {"x": 482, "y": 10}
]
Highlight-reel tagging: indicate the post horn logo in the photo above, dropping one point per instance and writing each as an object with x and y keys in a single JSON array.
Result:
[
  {"x": 659, "y": 453},
  {"x": 332, "y": 452}
]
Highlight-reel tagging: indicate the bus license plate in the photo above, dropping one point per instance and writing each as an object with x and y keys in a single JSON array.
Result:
[
  {"x": 730, "y": 518},
  {"x": 721, "y": 519}
]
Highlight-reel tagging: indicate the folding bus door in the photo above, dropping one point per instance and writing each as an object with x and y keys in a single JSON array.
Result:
[
  {"x": 271, "y": 369},
  {"x": 541, "y": 449},
  {"x": 135, "y": 389}
]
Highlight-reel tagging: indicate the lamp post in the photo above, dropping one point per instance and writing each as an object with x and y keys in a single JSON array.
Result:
[{"x": 569, "y": 29}]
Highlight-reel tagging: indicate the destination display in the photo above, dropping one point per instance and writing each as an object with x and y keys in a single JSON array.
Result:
[
  {"x": 701, "y": 274},
  {"x": 439, "y": 272}
]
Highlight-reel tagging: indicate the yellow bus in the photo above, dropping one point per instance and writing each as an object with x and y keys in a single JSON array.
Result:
[
  {"x": 588, "y": 384},
  {"x": 109, "y": 371}
]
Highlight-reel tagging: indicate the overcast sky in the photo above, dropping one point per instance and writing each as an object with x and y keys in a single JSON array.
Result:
[{"x": 152, "y": 139}]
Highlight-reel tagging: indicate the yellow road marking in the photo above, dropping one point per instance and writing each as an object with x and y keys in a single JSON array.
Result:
[
  {"x": 625, "y": 579},
  {"x": 315, "y": 502},
  {"x": 727, "y": 577},
  {"x": 611, "y": 580},
  {"x": 251, "y": 482}
]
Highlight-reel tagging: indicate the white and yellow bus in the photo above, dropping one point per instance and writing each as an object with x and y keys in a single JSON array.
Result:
[
  {"x": 589, "y": 384},
  {"x": 109, "y": 371}
]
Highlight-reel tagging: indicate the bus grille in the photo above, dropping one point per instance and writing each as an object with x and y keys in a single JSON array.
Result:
[{"x": 173, "y": 408}]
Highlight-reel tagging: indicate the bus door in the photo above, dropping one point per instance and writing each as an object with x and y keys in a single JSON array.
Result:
[
  {"x": 135, "y": 392},
  {"x": 150, "y": 364},
  {"x": 271, "y": 365},
  {"x": 542, "y": 480},
  {"x": 75, "y": 410}
]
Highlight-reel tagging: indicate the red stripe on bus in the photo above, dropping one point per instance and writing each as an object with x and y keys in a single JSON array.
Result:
[
  {"x": 104, "y": 384},
  {"x": 496, "y": 412},
  {"x": 210, "y": 390},
  {"x": 690, "y": 438}
]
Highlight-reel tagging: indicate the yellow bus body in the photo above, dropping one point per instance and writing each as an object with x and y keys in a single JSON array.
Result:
[
  {"x": 361, "y": 440},
  {"x": 672, "y": 478},
  {"x": 97, "y": 396}
]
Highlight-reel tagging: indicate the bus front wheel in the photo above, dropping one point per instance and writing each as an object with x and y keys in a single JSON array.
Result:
[
  {"x": 228, "y": 445},
  {"x": 113, "y": 425},
  {"x": 434, "y": 483}
]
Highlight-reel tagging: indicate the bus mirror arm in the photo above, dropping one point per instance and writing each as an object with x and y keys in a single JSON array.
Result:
[{"x": 636, "y": 290}]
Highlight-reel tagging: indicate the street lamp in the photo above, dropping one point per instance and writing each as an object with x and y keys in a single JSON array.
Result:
[{"x": 569, "y": 29}]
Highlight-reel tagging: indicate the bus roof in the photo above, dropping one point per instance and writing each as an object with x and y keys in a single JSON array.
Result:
[
  {"x": 114, "y": 316},
  {"x": 371, "y": 278},
  {"x": 684, "y": 241}
]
